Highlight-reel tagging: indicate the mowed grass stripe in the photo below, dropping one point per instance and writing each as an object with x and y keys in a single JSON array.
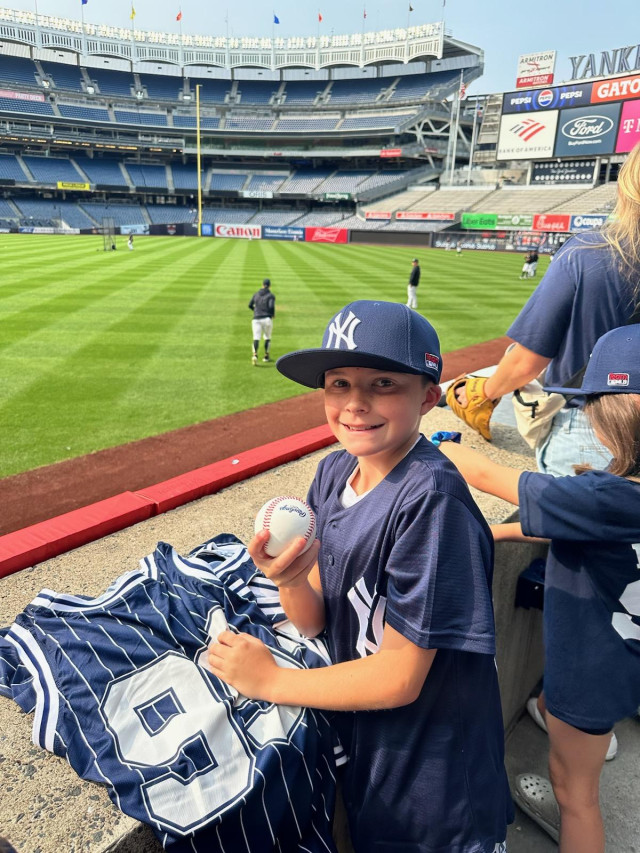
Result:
[{"x": 103, "y": 348}]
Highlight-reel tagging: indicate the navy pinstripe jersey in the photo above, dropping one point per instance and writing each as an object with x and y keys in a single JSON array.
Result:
[{"x": 119, "y": 686}]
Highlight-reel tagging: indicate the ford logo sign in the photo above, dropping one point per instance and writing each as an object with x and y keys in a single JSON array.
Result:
[{"x": 587, "y": 127}]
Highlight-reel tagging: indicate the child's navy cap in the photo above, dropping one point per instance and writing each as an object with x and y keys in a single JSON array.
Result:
[
  {"x": 614, "y": 366},
  {"x": 380, "y": 335}
]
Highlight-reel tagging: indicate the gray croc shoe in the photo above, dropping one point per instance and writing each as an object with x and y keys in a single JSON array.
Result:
[{"x": 534, "y": 795}]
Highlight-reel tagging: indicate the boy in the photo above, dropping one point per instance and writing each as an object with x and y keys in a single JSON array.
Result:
[{"x": 402, "y": 585}]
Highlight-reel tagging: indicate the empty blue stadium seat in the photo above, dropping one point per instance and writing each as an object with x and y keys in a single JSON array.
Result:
[
  {"x": 64, "y": 76},
  {"x": 105, "y": 172},
  {"x": 256, "y": 92},
  {"x": 162, "y": 88},
  {"x": 50, "y": 170},
  {"x": 18, "y": 105},
  {"x": 211, "y": 91},
  {"x": 16, "y": 69},
  {"x": 147, "y": 176},
  {"x": 357, "y": 91},
  {"x": 88, "y": 113},
  {"x": 136, "y": 117},
  {"x": 11, "y": 169},
  {"x": 112, "y": 82}
]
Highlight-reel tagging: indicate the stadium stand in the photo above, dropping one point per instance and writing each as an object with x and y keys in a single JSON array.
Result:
[
  {"x": 84, "y": 113},
  {"x": 242, "y": 123},
  {"x": 50, "y": 170},
  {"x": 64, "y": 76},
  {"x": 227, "y": 181},
  {"x": 112, "y": 82},
  {"x": 321, "y": 219},
  {"x": 343, "y": 181},
  {"x": 190, "y": 121},
  {"x": 7, "y": 210},
  {"x": 20, "y": 105},
  {"x": 266, "y": 182},
  {"x": 417, "y": 87},
  {"x": 526, "y": 199},
  {"x": 403, "y": 201},
  {"x": 147, "y": 176},
  {"x": 254, "y": 92},
  {"x": 276, "y": 217},
  {"x": 377, "y": 121},
  {"x": 105, "y": 172},
  {"x": 122, "y": 214},
  {"x": 301, "y": 124},
  {"x": 161, "y": 214},
  {"x": 139, "y": 117},
  {"x": 232, "y": 215},
  {"x": 185, "y": 177},
  {"x": 53, "y": 211},
  {"x": 10, "y": 169},
  {"x": 303, "y": 92},
  {"x": 15, "y": 69},
  {"x": 600, "y": 199},
  {"x": 305, "y": 181},
  {"x": 211, "y": 91},
  {"x": 360, "y": 91},
  {"x": 161, "y": 88}
]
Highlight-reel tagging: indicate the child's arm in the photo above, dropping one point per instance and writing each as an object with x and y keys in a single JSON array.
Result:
[
  {"x": 298, "y": 579},
  {"x": 479, "y": 471},
  {"x": 391, "y": 677},
  {"x": 512, "y": 532},
  {"x": 517, "y": 367}
]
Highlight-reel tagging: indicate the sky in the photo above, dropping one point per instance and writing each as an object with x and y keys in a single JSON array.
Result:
[{"x": 504, "y": 29}]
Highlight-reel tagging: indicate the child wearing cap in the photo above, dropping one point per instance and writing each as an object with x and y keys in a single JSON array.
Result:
[
  {"x": 592, "y": 591},
  {"x": 400, "y": 580}
]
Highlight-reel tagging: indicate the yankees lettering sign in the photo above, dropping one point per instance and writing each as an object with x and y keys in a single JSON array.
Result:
[
  {"x": 326, "y": 235},
  {"x": 242, "y": 232},
  {"x": 536, "y": 69}
]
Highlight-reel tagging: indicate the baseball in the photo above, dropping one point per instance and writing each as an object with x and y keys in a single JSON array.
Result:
[{"x": 286, "y": 518}]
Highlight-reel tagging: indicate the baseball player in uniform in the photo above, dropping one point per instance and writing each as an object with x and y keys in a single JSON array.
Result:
[
  {"x": 412, "y": 287},
  {"x": 263, "y": 305}
]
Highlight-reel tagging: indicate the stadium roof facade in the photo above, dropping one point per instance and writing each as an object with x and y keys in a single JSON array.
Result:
[{"x": 72, "y": 38}]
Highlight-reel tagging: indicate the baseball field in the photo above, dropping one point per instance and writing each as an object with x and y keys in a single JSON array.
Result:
[{"x": 101, "y": 348}]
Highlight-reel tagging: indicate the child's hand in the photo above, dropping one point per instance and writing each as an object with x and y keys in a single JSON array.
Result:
[
  {"x": 245, "y": 663},
  {"x": 289, "y": 569}
]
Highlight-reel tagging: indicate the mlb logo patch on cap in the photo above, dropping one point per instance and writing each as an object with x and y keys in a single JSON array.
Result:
[
  {"x": 618, "y": 379},
  {"x": 431, "y": 361}
]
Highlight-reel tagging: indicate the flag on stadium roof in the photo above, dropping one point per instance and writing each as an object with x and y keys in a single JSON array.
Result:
[
  {"x": 276, "y": 19},
  {"x": 133, "y": 12},
  {"x": 364, "y": 13},
  {"x": 179, "y": 15},
  {"x": 463, "y": 91},
  {"x": 84, "y": 2},
  {"x": 319, "y": 18},
  {"x": 410, "y": 7}
]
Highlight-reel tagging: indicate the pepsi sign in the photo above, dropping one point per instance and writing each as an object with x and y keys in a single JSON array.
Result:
[
  {"x": 587, "y": 131},
  {"x": 556, "y": 97}
]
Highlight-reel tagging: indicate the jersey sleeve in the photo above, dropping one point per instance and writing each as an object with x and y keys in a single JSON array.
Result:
[
  {"x": 439, "y": 577},
  {"x": 592, "y": 507},
  {"x": 542, "y": 323}
]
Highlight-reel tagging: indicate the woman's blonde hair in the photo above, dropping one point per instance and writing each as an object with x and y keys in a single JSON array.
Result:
[
  {"x": 623, "y": 233},
  {"x": 616, "y": 418}
]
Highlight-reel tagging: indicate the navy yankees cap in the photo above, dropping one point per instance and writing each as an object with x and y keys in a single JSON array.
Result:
[
  {"x": 614, "y": 366},
  {"x": 381, "y": 335},
  {"x": 266, "y": 282}
]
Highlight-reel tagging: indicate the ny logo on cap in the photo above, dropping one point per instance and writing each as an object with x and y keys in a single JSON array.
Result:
[{"x": 342, "y": 332}]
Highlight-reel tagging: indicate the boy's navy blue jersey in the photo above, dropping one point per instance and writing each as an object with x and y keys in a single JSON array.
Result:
[
  {"x": 120, "y": 688},
  {"x": 416, "y": 553},
  {"x": 592, "y": 593},
  {"x": 582, "y": 295}
]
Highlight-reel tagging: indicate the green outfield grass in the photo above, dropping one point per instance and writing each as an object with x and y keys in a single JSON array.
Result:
[{"x": 104, "y": 348}]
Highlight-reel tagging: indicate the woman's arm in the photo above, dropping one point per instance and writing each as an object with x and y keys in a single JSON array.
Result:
[
  {"x": 516, "y": 367},
  {"x": 511, "y": 531},
  {"x": 391, "y": 677},
  {"x": 481, "y": 473}
]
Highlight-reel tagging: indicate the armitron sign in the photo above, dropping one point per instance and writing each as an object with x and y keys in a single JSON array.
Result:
[
  {"x": 242, "y": 232},
  {"x": 535, "y": 69}
]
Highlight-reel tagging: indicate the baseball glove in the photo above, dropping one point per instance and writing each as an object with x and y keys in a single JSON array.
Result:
[{"x": 473, "y": 407}]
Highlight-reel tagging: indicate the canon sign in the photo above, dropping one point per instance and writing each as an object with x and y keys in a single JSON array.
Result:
[
  {"x": 243, "y": 232},
  {"x": 587, "y": 126}
]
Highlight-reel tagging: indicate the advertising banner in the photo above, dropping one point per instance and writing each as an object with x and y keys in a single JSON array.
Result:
[
  {"x": 616, "y": 90},
  {"x": 377, "y": 214},
  {"x": 514, "y": 220},
  {"x": 535, "y": 69},
  {"x": 564, "y": 171},
  {"x": 547, "y": 99},
  {"x": 239, "y": 232},
  {"x": 551, "y": 222},
  {"x": 142, "y": 228},
  {"x": 588, "y": 221},
  {"x": 432, "y": 216},
  {"x": 391, "y": 152},
  {"x": 337, "y": 196},
  {"x": 285, "y": 232},
  {"x": 69, "y": 185},
  {"x": 256, "y": 193},
  {"x": 478, "y": 243},
  {"x": 206, "y": 229},
  {"x": 629, "y": 133},
  {"x": 326, "y": 235},
  {"x": 587, "y": 130},
  {"x": 482, "y": 221},
  {"x": 526, "y": 138},
  {"x": 22, "y": 96}
]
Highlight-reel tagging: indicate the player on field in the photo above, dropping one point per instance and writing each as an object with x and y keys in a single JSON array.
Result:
[
  {"x": 401, "y": 583},
  {"x": 591, "y": 602},
  {"x": 263, "y": 305},
  {"x": 412, "y": 286}
]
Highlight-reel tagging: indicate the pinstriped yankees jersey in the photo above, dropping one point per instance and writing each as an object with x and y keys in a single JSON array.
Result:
[{"x": 119, "y": 686}]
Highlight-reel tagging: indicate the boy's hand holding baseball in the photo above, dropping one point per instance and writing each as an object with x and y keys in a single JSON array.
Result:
[{"x": 290, "y": 568}]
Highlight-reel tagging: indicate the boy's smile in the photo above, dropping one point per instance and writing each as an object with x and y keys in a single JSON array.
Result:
[{"x": 376, "y": 413}]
